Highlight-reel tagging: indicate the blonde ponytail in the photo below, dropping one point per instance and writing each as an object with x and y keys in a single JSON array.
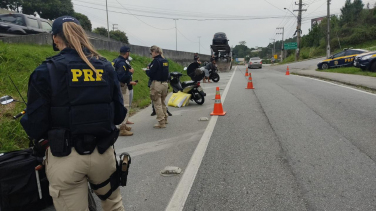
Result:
[
  {"x": 75, "y": 37},
  {"x": 157, "y": 49}
]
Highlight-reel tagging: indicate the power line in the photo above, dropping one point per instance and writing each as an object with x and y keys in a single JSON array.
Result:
[
  {"x": 273, "y": 5},
  {"x": 127, "y": 32},
  {"x": 185, "y": 36},
  {"x": 140, "y": 19},
  {"x": 316, "y": 8},
  {"x": 190, "y": 19},
  {"x": 178, "y": 12}
]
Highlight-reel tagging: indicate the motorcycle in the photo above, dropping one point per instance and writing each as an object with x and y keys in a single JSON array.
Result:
[
  {"x": 189, "y": 87},
  {"x": 213, "y": 75}
]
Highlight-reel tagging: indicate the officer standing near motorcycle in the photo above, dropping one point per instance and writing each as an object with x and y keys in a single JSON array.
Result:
[
  {"x": 74, "y": 101},
  {"x": 124, "y": 72},
  {"x": 158, "y": 74},
  {"x": 196, "y": 57}
]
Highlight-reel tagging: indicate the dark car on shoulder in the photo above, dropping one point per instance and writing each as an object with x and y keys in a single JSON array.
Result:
[
  {"x": 220, "y": 38},
  {"x": 366, "y": 61},
  {"x": 344, "y": 58},
  {"x": 21, "y": 24}
]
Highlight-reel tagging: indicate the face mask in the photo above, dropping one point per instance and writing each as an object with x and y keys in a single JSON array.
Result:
[{"x": 54, "y": 45}]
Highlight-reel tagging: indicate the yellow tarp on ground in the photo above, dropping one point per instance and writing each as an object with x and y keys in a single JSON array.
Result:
[{"x": 179, "y": 99}]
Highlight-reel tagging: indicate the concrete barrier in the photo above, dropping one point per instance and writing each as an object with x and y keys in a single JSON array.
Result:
[{"x": 180, "y": 57}]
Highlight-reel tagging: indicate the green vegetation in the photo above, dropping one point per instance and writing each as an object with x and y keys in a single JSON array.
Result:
[
  {"x": 354, "y": 27},
  {"x": 116, "y": 35},
  {"x": 49, "y": 9},
  {"x": 349, "y": 70},
  {"x": 345, "y": 31},
  {"x": 19, "y": 60}
]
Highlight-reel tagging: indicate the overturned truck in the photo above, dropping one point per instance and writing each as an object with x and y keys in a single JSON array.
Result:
[{"x": 221, "y": 51}]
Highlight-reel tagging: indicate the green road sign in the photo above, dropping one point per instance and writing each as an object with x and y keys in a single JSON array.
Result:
[{"x": 291, "y": 45}]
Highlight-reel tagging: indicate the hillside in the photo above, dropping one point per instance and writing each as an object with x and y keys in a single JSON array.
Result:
[
  {"x": 19, "y": 60},
  {"x": 355, "y": 27}
]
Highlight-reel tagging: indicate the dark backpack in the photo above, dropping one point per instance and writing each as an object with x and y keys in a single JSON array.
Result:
[{"x": 18, "y": 182}]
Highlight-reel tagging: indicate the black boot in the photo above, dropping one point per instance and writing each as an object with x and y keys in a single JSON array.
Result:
[
  {"x": 169, "y": 113},
  {"x": 153, "y": 113}
]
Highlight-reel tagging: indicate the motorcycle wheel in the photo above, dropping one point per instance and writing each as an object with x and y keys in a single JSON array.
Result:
[
  {"x": 198, "y": 98},
  {"x": 215, "y": 77}
]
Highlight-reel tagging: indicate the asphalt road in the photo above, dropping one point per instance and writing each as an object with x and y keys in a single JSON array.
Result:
[
  {"x": 292, "y": 143},
  {"x": 310, "y": 64}
]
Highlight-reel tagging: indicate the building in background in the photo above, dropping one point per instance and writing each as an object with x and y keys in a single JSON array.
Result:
[{"x": 316, "y": 21}]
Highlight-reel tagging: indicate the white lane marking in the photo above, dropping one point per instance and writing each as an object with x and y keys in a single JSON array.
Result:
[
  {"x": 181, "y": 193},
  {"x": 337, "y": 84}
]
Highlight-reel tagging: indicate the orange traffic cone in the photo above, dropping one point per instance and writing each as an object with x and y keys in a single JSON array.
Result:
[
  {"x": 250, "y": 84},
  {"x": 218, "y": 109},
  {"x": 287, "y": 71},
  {"x": 246, "y": 72}
]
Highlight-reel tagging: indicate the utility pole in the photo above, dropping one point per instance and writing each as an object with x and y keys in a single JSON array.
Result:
[
  {"x": 282, "y": 48},
  {"x": 108, "y": 25},
  {"x": 199, "y": 44},
  {"x": 328, "y": 39},
  {"x": 298, "y": 28},
  {"x": 274, "y": 46},
  {"x": 176, "y": 34},
  {"x": 113, "y": 26}
]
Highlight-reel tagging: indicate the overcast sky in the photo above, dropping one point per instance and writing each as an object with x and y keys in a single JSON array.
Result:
[{"x": 262, "y": 19}]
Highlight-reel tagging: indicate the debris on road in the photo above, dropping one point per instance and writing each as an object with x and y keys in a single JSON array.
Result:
[
  {"x": 203, "y": 119},
  {"x": 169, "y": 171}
]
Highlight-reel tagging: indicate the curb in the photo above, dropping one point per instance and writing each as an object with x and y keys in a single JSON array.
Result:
[{"x": 369, "y": 89}]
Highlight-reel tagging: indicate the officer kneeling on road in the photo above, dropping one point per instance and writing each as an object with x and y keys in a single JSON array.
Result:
[
  {"x": 210, "y": 66},
  {"x": 158, "y": 74},
  {"x": 74, "y": 101}
]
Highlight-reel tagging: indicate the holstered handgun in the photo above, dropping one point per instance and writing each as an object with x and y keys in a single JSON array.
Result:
[{"x": 125, "y": 161}]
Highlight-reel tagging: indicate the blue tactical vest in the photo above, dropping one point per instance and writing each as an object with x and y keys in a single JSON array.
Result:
[
  {"x": 163, "y": 72},
  {"x": 81, "y": 101}
]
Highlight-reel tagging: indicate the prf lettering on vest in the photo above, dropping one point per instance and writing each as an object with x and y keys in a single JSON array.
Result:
[
  {"x": 165, "y": 64},
  {"x": 87, "y": 74}
]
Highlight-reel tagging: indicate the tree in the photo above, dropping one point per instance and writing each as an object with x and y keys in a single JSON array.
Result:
[
  {"x": 351, "y": 11},
  {"x": 101, "y": 30},
  {"x": 119, "y": 36},
  {"x": 358, "y": 7},
  {"x": 241, "y": 50},
  {"x": 116, "y": 35},
  {"x": 50, "y": 9},
  {"x": 346, "y": 12},
  {"x": 11, "y": 4},
  {"x": 84, "y": 21}
]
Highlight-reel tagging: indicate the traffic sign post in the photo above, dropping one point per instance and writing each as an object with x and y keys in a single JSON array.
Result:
[{"x": 291, "y": 45}]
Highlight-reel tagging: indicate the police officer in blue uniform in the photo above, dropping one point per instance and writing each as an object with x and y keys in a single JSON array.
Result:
[
  {"x": 158, "y": 74},
  {"x": 74, "y": 101},
  {"x": 124, "y": 71}
]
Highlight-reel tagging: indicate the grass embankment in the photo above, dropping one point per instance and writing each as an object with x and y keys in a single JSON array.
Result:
[
  {"x": 349, "y": 70},
  {"x": 19, "y": 60},
  {"x": 309, "y": 53}
]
